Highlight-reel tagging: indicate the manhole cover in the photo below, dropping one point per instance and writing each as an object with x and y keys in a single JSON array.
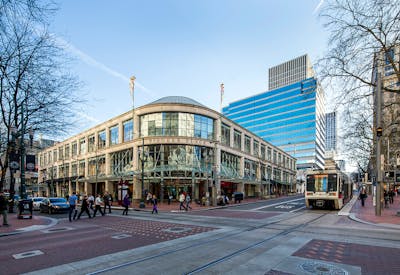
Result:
[
  {"x": 322, "y": 269},
  {"x": 177, "y": 229}
]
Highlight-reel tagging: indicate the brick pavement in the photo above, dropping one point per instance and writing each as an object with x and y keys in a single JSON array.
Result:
[
  {"x": 22, "y": 225},
  {"x": 367, "y": 213},
  {"x": 371, "y": 259}
]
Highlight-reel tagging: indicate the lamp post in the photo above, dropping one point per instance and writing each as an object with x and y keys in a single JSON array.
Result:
[{"x": 143, "y": 158}]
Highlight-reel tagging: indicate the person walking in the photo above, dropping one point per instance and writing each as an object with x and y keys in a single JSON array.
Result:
[
  {"x": 125, "y": 203},
  {"x": 91, "y": 201},
  {"x": 84, "y": 207},
  {"x": 97, "y": 205},
  {"x": 363, "y": 195},
  {"x": 169, "y": 198},
  {"x": 107, "y": 202},
  {"x": 149, "y": 197},
  {"x": 181, "y": 201},
  {"x": 3, "y": 208},
  {"x": 188, "y": 200},
  {"x": 73, "y": 200},
  {"x": 154, "y": 202}
]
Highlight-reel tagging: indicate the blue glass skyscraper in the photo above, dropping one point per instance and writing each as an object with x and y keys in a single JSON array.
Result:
[{"x": 290, "y": 115}]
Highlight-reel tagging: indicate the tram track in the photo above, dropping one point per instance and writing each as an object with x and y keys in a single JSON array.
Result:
[{"x": 220, "y": 237}]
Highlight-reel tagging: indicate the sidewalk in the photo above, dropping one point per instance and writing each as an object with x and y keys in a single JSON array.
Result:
[
  {"x": 17, "y": 226},
  {"x": 366, "y": 214}
]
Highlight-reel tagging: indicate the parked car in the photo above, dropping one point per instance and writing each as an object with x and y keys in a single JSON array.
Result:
[
  {"x": 54, "y": 205},
  {"x": 36, "y": 202}
]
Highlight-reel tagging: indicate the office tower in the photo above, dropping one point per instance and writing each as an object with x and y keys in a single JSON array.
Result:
[
  {"x": 291, "y": 115},
  {"x": 331, "y": 132}
]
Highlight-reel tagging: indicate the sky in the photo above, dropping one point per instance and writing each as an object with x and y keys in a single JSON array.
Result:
[{"x": 180, "y": 48}]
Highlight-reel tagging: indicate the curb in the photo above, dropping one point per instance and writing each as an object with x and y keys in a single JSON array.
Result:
[{"x": 31, "y": 228}]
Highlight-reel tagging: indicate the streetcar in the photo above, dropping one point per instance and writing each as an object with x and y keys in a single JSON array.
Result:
[{"x": 328, "y": 188}]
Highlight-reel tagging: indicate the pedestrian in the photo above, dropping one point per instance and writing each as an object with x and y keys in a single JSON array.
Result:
[
  {"x": 125, "y": 203},
  {"x": 154, "y": 202},
  {"x": 391, "y": 196},
  {"x": 3, "y": 208},
  {"x": 73, "y": 200},
  {"x": 97, "y": 205},
  {"x": 363, "y": 195},
  {"x": 149, "y": 198},
  {"x": 169, "y": 198},
  {"x": 386, "y": 198},
  {"x": 181, "y": 201},
  {"x": 107, "y": 202},
  {"x": 84, "y": 207},
  {"x": 188, "y": 200},
  {"x": 91, "y": 201}
]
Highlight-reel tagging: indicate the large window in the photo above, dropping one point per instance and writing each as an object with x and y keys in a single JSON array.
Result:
[
  {"x": 128, "y": 130},
  {"x": 263, "y": 151},
  {"x": 225, "y": 134},
  {"x": 247, "y": 144},
  {"x": 237, "y": 140},
  {"x": 114, "y": 135},
  {"x": 101, "y": 139},
  {"x": 74, "y": 149},
  {"x": 176, "y": 124},
  {"x": 82, "y": 146},
  {"x": 256, "y": 149},
  {"x": 91, "y": 143}
]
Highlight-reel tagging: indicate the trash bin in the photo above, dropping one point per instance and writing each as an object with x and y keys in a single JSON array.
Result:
[
  {"x": 237, "y": 196},
  {"x": 25, "y": 209}
]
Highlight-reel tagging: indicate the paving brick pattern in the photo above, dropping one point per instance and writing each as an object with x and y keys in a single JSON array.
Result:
[
  {"x": 371, "y": 259},
  {"x": 367, "y": 213},
  {"x": 234, "y": 214},
  {"x": 162, "y": 231}
]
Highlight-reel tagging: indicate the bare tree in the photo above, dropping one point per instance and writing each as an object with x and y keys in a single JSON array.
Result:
[
  {"x": 37, "y": 90},
  {"x": 363, "y": 34}
]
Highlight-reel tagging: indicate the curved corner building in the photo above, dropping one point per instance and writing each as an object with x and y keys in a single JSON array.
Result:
[{"x": 170, "y": 145}]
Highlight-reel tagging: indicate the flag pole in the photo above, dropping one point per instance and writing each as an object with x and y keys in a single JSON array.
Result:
[
  {"x": 132, "y": 88},
  {"x": 222, "y": 97}
]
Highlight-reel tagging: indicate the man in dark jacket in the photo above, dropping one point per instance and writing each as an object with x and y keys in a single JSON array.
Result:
[
  {"x": 84, "y": 207},
  {"x": 3, "y": 208}
]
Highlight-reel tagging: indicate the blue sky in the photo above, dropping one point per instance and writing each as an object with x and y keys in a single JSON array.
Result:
[{"x": 181, "y": 47}]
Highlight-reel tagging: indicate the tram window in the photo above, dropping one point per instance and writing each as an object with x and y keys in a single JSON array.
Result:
[
  {"x": 332, "y": 182},
  {"x": 311, "y": 183}
]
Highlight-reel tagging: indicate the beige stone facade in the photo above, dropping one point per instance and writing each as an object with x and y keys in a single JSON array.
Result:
[{"x": 178, "y": 145}]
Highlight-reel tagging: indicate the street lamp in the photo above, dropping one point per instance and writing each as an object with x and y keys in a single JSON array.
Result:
[{"x": 143, "y": 156}]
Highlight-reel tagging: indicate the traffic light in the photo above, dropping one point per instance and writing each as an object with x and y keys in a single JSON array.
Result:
[{"x": 379, "y": 131}]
